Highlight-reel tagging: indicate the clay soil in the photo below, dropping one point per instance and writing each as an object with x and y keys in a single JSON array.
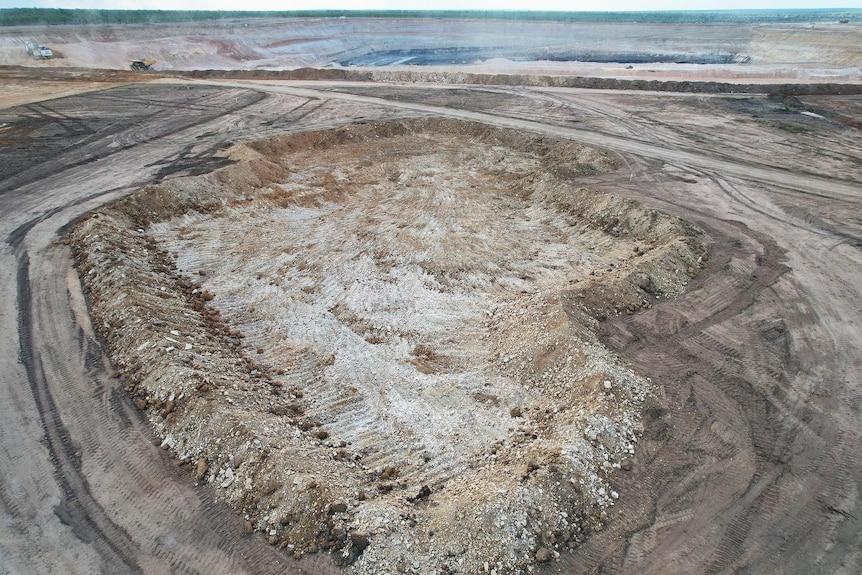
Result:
[{"x": 414, "y": 327}]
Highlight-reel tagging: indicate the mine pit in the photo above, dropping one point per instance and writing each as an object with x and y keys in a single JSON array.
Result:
[{"x": 379, "y": 340}]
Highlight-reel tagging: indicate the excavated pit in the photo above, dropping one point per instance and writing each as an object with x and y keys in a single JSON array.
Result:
[{"x": 378, "y": 340}]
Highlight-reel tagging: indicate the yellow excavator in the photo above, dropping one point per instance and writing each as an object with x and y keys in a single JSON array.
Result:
[{"x": 141, "y": 65}]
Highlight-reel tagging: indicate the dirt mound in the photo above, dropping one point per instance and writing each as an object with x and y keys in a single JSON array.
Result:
[{"x": 379, "y": 341}]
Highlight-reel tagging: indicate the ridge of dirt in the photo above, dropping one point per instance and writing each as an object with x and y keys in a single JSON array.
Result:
[
  {"x": 531, "y": 80},
  {"x": 824, "y": 88},
  {"x": 259, "y": 357}
]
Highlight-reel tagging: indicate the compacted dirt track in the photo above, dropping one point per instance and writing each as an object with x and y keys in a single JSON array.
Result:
[
  {"x": 749, "y": 461},
  {"x": 83, "y": 488}
]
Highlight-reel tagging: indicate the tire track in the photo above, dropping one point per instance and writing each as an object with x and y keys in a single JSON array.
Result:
[
  {"x": 121, "y": 135},
  {"x": 687, "y": 357},
  {"x": 78, "y": 509},
  {"x": 104, "y": 462},
  {"x": 714, "y": 376},
  {"x": 811, "y": 185}
]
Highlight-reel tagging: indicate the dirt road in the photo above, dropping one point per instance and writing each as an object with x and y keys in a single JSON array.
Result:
[
  {"x": 831, "y": 188},
  {"x": 750, "y": 461}
]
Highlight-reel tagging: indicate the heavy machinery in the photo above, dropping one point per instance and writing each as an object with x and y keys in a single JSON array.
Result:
[
  {"x": 36, "y": 51},
  {"x": 141, "y": 65}
]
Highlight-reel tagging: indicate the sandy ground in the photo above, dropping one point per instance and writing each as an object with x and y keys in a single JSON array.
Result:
[{"x": 749, "y": 459}]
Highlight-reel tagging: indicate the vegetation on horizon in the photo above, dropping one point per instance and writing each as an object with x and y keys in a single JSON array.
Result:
[{"x": 58, "y": 16}]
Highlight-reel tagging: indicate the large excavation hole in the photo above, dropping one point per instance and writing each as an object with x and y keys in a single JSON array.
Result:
[{"x": 402, "y": 363}]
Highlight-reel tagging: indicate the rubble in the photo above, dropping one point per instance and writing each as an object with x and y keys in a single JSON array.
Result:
[{"x": 378, "y": 341}]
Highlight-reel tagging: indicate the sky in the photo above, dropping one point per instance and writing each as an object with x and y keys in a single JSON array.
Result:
[{"x": 564, "y": 5}]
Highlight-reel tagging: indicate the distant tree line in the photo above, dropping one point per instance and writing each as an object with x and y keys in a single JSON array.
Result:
[{"x": 57, "y": 16}]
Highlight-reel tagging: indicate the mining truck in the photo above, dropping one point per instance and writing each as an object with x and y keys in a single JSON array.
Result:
[
  {"x": 141, "y": 65},
  {"x": 36, "y": 51}
]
